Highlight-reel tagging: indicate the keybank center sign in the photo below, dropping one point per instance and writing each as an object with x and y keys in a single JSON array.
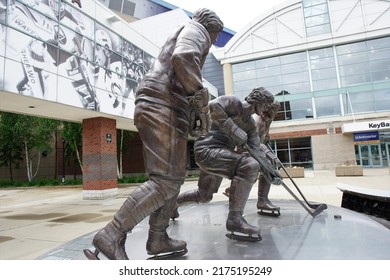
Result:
[{"x": 366, "y": 126}]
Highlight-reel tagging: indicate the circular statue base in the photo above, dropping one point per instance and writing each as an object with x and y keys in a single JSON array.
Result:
[{"x": 336, "y": 233}]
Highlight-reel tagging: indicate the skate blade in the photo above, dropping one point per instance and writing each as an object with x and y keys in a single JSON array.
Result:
[
  {"x": 225, "y": 194},
  {"x": 173, "y": 218},
  {"x": 271, "y": 214},
  {"x": 91, "y": 255},
  {"x": 175, "y": 215},
  {"x": 246, "y": 238},
  {"x": 169, "y": 255}
]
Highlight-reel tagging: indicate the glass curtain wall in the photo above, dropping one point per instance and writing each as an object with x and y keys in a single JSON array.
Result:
[
  {"x": 331, "y": 81},
  {"x": 316, "y": 16}
]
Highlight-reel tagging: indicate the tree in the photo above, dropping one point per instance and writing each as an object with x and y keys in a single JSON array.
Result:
[
  {"x": 37, "y": 135},
  {"x": 123, "y": 136},
  {"x": 72, "y": 134},
  {"x": 26, "y": 135},
  {"x": 11, "y": 148}
]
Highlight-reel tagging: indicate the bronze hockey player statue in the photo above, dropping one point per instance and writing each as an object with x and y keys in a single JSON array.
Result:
[
  {"x": 170, "y": 93},
  {"x": 232, "y": 126},
  {"x": 263, "y": 123}
]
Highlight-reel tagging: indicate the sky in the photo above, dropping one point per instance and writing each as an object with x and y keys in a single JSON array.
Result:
[{"x": 234, "y": 16}]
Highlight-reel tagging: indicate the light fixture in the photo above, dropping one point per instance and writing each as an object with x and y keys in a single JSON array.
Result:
[{"x": 330, "y": 129}]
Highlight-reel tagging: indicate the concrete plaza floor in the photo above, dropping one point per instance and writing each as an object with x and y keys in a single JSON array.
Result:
[{"x": 34, "y": 222}]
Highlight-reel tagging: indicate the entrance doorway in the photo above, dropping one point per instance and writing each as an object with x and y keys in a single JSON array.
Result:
[
  {"x": 371, "y": 155},
  {"x": 385, "y": 150}
]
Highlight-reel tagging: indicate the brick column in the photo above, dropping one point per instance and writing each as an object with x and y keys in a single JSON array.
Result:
[{"x": 99, "y": 158}]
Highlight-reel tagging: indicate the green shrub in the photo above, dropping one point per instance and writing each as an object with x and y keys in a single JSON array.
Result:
[
  {"x": 41, "y": 182},
  {"x": 133, "y": 179}
]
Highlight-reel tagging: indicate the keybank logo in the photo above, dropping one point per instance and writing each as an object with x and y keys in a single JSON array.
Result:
[{"x": 378, "y": 125}]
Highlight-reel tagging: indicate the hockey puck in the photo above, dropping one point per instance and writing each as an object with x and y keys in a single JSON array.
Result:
[{"x": 337, "y": 217}]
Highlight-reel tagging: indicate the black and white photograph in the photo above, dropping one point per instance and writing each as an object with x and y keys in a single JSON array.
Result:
[{"x": 55, "y": 52}]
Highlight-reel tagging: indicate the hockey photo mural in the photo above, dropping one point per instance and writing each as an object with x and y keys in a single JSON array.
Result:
[{"x": 51, "y": 50}]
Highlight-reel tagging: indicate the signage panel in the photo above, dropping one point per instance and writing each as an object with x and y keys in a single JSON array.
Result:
[
  {"x": 366, "y": 137},
  {"x": 366, "y": 126}
]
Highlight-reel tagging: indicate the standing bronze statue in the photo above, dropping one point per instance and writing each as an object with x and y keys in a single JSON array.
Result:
[
  {"x": 216, "y": 153},
  {"x": 169, "y": 95},
  {"x": 263, "y": 123}
]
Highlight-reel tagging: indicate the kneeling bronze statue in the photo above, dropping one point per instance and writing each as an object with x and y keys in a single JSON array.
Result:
[{"x": 219, "y": 155}]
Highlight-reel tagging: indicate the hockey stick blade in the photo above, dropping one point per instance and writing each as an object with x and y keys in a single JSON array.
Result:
[
  {"x": 319, "y": 209},
  {"x": 314, "y": 213},
  {"x": 261, "y": 162},
  {"x": 312, "y": 206}
]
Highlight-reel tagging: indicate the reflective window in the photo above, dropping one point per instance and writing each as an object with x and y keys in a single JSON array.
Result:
[
  {"x": 293, "y": 78},
  {"x": 355, "y": 79},
  {"x": 268, "y": 62},
  {"x": 379, "y": 64},
  {"x": 297, "y": 67},
  {"x": 245, "y": 75},
  {"x": 247, "y": 86},
  {"x": 351, "y": 48},
  {"x": 3, "y": 10},
  {"x": 297, "y": 87},
  {"x": 293, "y": 108},
  {"x": 353, "y": 64},
  {"x": 3, "y": 31},
  {"x": 315, "y": 10},
  {"x": 382, "y": 99},
  {"x": 295, "y": 74},
  {"x": 292, "y": 58},
  {"x": 268, "y": 71},
  {"x": 363, "y": 72},
  {"x": 245, "y": 66},
  {"x": 316, "y": 17},
  {"x": 301, "y": 109},
  {"x": 317, "y": 30},
  {"x": 294, "y": 151},
  {"x": 358, "y": 102},
  {"x": 319, "y": 73},
  {"x": 327, "y": 106},
  {"x": 382, "y": 43},
  {"x": 321, "y": 84},
  {"x": 323, "y": 69},
  {"x": 308, "y": 3},
  {"x": 352, "y": 58}
]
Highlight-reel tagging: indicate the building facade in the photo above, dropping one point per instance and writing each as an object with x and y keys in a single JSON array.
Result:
[
  {"x": 82, "y": 65},
  {"x": 79, "y": 65},
  {"x": 327, "y": 62}
]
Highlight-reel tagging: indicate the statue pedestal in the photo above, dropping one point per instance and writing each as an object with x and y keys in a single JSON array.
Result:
[{"x": 292, "y": 236}]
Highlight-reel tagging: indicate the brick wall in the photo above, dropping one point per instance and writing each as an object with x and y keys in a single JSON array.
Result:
[{"x": 99, "y": 154}]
